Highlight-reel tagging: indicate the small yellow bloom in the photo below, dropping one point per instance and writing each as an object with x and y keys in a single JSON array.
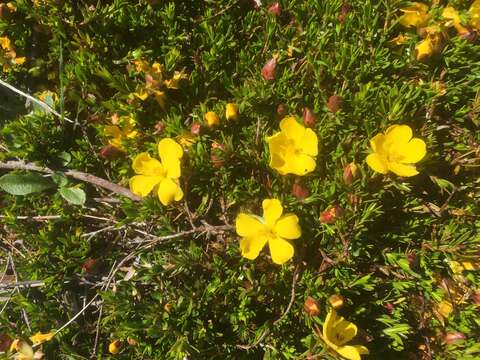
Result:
[
  {"x": 337, "y": 332},
  {"x": 415, "y": 15},
  {"x": 174, "y": 82},
  {"x": 293, "y": 149},
  {"x": 11, "y": 6},
  {"x": 39, "y": 337},
  {"x": 431, "y": 45},
  {"x": 165, "y": 174},
  {"x": 396, "y": 151},
  {"x": 451, "y": 14},
  {"x": 272, "y": 228},
  {"x": 23, "y": 351},
  {"x": 231, "y": 111},
  {"x": 20, "y": 60},
  {"x": 212, "y": 119},
  {"x": 474, "y": 13},
  {"x": 186, "y": 139},
  {"x": 444, "y": 308},
  {"x": 114, "y": 347},
  {"x": 119, "y": 133},
  {"x": 5, "y": 43},
  {"x": 399, "y": 40}
]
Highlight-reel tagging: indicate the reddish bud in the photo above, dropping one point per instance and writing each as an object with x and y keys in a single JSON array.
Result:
[
  {"x": 334, "y": 103},
  {"x": 282, "y": 110},
  {"x": 311, "y": 306},
  {"x": 389, "y": 307},
  {"x": 195, "y": 128},
  {"x": 354, "y": 199},
  {"x": 218, "y": 146},
  {"x": 309, "y": 117},
  {"x": 299, "y": 191},
  {"x": 131, "y": 341},
  {"x": 350, "y": 173},
  {"x": 90, "y": 266},
  {"x": 331, "y": 215},
  {"x": 344, "y": 10},
  {"x": 336, "y": 301},
  {"x": 269, "y": 69},
  {"x": 412, "y": 259},
  {"x": 159, "y": 127},
  {"x": 275, "y": 9},
  {"x": 453, "y": 337},
  {"x": 217, "y": 161},
  {"x": 476, "y": 297},
  {"x": 110, "y": 152},
  {"x": 470, "y": 36},
  {"x": 5, "y": 342}
]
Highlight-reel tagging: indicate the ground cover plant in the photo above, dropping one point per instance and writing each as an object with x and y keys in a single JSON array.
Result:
[{"x": 239, "y": 179}]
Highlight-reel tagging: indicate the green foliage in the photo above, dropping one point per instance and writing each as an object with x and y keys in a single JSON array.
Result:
[{"x": 194, "y": 296}]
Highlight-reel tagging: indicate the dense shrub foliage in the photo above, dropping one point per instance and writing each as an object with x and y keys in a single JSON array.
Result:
[{"x": 395, "y": 255}]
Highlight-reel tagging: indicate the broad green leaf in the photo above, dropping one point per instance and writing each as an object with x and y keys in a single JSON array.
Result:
[
  {"x": 73, "y": 195},
  {"x": 24, "y": 184}
]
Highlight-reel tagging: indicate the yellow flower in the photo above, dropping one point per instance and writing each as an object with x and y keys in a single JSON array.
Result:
[
  {"x": 396, "y": 151},
  {"x": 23, "y": 350},
  {"x": 415, "y": 15},
  {"x": 39, "y": 337},
  {"x": 431, "y": 45},
  {"x": 337, "y": 332},
  {"x": 474, "y": 12},
  {"x": 212, "y": 119},
  {"x": 231, "y": 111},
  {"x": 451, "y": 14},
  {"x": 114, "y": 347},
  {"x": 165, "y": 174},
  {"x": 174, "y": 82},
  {"x": 293, "y": 149},
  {"x": 272, "y": 228},
  {"x": 5, "y": 43},
  {"x": 118, "y": 133}
]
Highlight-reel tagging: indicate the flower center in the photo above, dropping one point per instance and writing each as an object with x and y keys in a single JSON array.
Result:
[{"x": 292, "y": 148}]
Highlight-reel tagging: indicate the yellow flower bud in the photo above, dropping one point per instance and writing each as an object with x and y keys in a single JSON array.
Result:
[
  {"x": 212, "y": 119},
  {"x": 114, "y": 347},
  {"x": 231, "y": 111}
]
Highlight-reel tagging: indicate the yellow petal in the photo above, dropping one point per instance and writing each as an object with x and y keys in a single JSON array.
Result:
[
  {"x": 377, "y": 163},
  {"x": 141, "y": 94},
  {"x": 451, "y": 14},
  {"x": 248, "y": 225},
  {"x": 157, "y": 68},
  {"x": 349, "y": 352},
  {"x": 168, "y": 191},
  {"x": 299, "y": 164},
  {"x": 212, "y": 119},
  {"x": 143, "y": 164},
  {"x": 377, "y": 143},
  {"x": 415, "y": 15},
  {"x": 251, "y": 246},
  {"x": 402, "y": 169},
  {"x": 309, "y": 143},
  {"x": 20, "y": 60},
  {"x": 431, "y": 45},
  {"x": 399, "y": 40},
  {"x": 329, "y": 324},
  {"x": 287, "y": 227},
  {"x": 112, "y": 131},
  {"x": 5, "y": 43},
  {"x": 23, "y": 349},
  {"x": 475, "y": 14},
  {"x": 170, "y": 153},
  {"x": 272, "y": 210},
  {"x": 281, "y": 250},
  {"x": 231, "y": 111},
  {"x": 174, "y": 82},
  {"x": 398, "y": 134},
  {"x": 291, "y": 128},
  {"x": 445, "y": 308},
  {"x": 346, "y": 329},
  {"x": 142, "y": 185},
  {"x": 413, "y": 151},
  {"x": 39, "y": 337},
  {"x": 161, "y": 97}
]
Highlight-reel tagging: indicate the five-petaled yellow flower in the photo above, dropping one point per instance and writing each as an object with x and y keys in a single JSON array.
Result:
[
  {"x": 293, "y": 149},
  {"x": 396, "y": 151},
  {"x": 337, "y": 332},
  {"x": 165, "y": 174},
  {"x": 272, "y": 228}
]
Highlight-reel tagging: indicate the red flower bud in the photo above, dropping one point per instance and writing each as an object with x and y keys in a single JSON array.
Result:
[
  {"x": 5, "y": 342},
  {"x": 269, "y": 69},
  {"x": 90, "y": 266},
  {"x": 334, "y": 103},
  {"x": 309, "y": 117},
  {"x": 311, "y": 306},
  {"x": 282, "y": 110},
  {"x": 299, "y": 191},
  {"x": 337, "y": 301},
  {"x": 159, "y": 127},
  {"x": 195, "y": 128},
  {"x": 110, "y": 152},
  {"x": 350, "y": 173},
  {"x": 275, "y": 9},
  {"x": 344, "y": 10},
  {"x": 454, "y": 337},
  {"x": 331, "y": 215},
  {"x": 389, "y": 307},
  {"x": 217, "y": 161}
]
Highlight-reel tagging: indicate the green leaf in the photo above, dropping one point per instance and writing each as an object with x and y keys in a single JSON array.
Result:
[
  {"x": 24, "y": 184},
  {"x": 73, "y": 195}
]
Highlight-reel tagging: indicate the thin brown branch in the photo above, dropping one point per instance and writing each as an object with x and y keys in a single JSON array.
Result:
[{"x": 78, "y": 175}]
